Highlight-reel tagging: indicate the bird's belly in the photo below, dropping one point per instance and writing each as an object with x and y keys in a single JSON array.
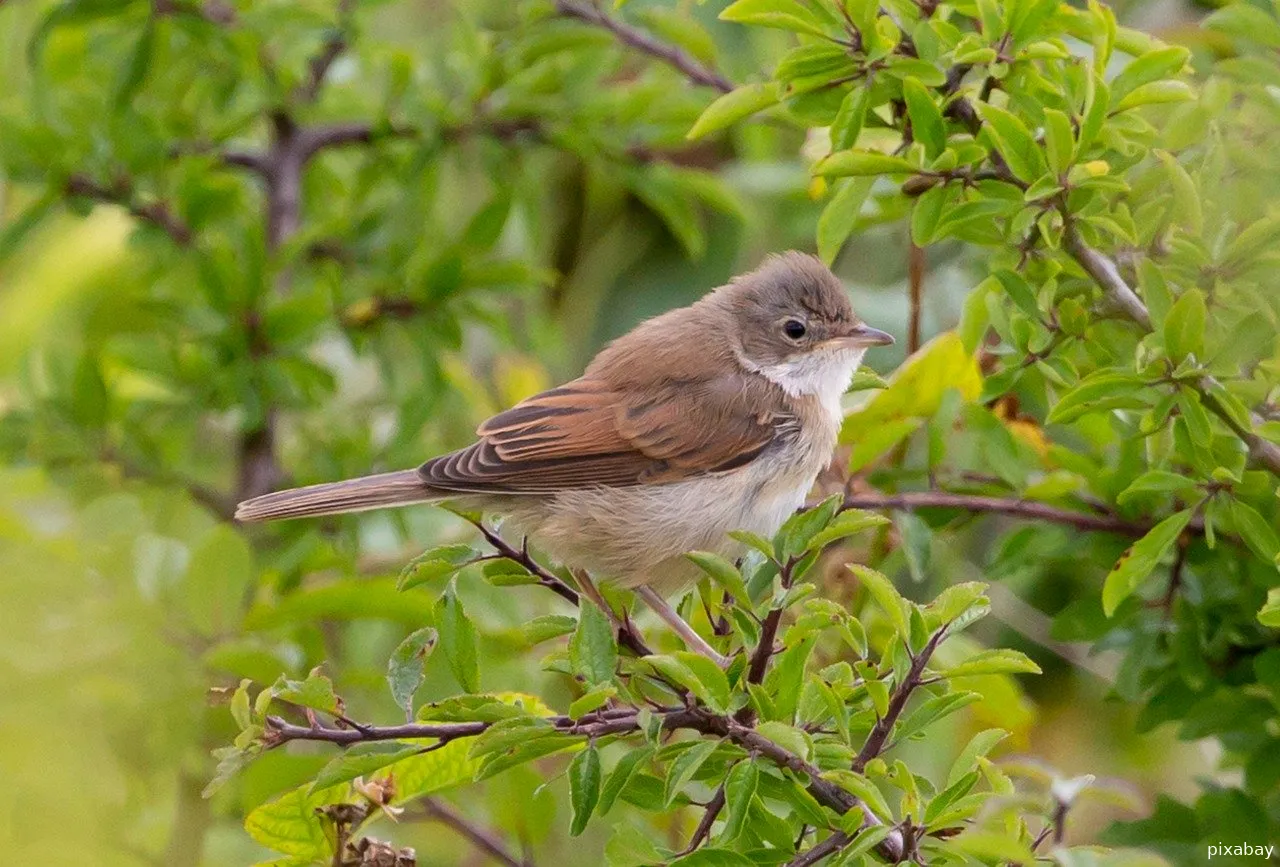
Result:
[{"x": 636, "y": 535}]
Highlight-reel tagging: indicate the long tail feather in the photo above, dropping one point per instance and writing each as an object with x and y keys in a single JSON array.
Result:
[{"x": 336, "y": 498}]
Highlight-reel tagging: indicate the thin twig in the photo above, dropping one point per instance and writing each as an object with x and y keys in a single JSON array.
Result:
[
  {"x": 875, "y": 743},
  {"x": 980, "y": 503},
  {"x": 915, "y": 282},
  {"x": 484, "y": 839},
  {"x": 318, "y": 67},
  {"x": 155, "y": 212},
  {"x": 709, "y": 815},
  {"x": 638, "y": 39}
]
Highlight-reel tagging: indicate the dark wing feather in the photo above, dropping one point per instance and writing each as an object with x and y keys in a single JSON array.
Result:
[{"x": 585, "y": 433}]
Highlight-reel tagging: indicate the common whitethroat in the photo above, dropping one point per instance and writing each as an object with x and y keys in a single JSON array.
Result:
[{"x": 710, "y": 418}]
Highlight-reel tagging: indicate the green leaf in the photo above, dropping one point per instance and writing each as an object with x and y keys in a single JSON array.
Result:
[
  {"x": 862, "y": 163},
  {"x": 435, "y": 563},
  {"x": 315, "y": 692},
  {"x": 722, "y": 572},
  {"x": 135, "y": 73},
  {"x": 593, "y": 650},
  {"x": 999, "y": 661},
  {"x": 926, "y": 120},
  {"x": 1059, "y": 140},
  {"x": 1186, "y": 199},
  {"x": 840, "y": 215},
  {"x": 631, "y": 847},
  {"x": 977, "y": 747},
  {"x": 793, "y": 537},
  {"x": 1247, "y": 22},
  {"x": 596, "y": 698},
  {"x": 621, "y": 774},
  {"x": 1155, "y": 482},
  {"x": 360, "y": 760},
  {"x": 844, "y": 525},
  {"x": 290, "y": 825},
  {"x": 458, "y": 638},
  {"x": 850, "y": 118},
  {"x": 1156, "y": 93},
  {"x": 406, "y": 667},
  {"x": 1014, "y": 141},
  {"x": 885, "y": 595},
  {"x": 1259, "y": 535},
  {"x": 684, "y": 766},
  {"x": 1269, "y": 614},
  {"x": 1184, "y": 326},
  {"x": 780, "y": 14},
  {"x": 696, "y": 673},
  {"x": 1100, "y": 390},
  {"x": 711, "y": 856},
  {"x": 584, "y": 787},
  {"x": 733, "y": 107},
  {"x": 1141, "y": 559},
  {"x": 863, "y": 789},
  {"x": 739, "y": 790},
  {"x": 1154, "y": 65}
]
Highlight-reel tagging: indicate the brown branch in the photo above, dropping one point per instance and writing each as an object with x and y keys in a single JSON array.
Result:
[
  {"x": 709, "y": 814},
  {"x": 834, "y": 843},
  {"x": 318, "y": 67},
  {"x": 979, "y": 503},
  {"x": 484, "y": 839},
  {"x": 317, "y": 138},
  {"x": 915, "y": 281},
  {"x": 646, "y": 44},
  {"x": 156, "y": 212},
  {"x": 875, "y": 742}
]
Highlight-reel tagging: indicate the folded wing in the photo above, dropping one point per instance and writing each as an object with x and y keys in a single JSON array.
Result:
[{"x": 586, "y": 433}]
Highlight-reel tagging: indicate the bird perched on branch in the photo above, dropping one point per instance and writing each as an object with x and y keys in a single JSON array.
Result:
[{"x": 710, "y": 418}]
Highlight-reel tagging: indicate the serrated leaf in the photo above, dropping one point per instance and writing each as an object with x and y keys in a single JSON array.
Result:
[
  {"x": 739, "y": 790},
  {"x": 458, "y": 638},
  {"x": 621, "y": 774},
  {"x": 584, "y": 787},
  {"x": 684, "y": 766},
  {"x": 697, "y": 674},
  {"x": 977, "y": 747},
  {"x": 1155, "y": 482},
  {"x": 407, "y": 665},
  {"x": 863, "y": 789},
  {"x": 433, "y": 564},
  {"x": 593, "y": 650},
  {"x": 1101, "y": 390},
  {"x": 844, "y": 525}
]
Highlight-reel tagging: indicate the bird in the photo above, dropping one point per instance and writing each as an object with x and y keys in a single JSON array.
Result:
[{"x": 706, "y": 419}]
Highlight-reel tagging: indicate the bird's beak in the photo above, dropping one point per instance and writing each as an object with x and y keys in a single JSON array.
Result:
[{"x": 862, "y": 335}]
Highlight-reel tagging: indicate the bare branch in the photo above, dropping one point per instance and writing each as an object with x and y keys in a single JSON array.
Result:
[
  {"x": 316, "y": 138},
  {"x": 1105, "y": 273},
  {"x": 709, "y": 814},
  {"x": 645, "y": 43},
  {"x": 155, "y": 212},
  {"x": 912, "y": 500},
  {"x": 484, "y": 839},
  {"x": 875, "y": 742}
]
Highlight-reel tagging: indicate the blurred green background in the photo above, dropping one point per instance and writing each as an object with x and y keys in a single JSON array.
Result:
[{"x": 432, "y": 280}]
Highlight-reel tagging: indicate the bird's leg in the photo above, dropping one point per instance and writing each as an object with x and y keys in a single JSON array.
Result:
[
  {"x": 592, "y": 592},
  {"x": 683, "y": 629}
]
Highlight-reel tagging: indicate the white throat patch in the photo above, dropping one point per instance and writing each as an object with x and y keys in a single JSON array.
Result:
[{"x": 824, "y": 375}]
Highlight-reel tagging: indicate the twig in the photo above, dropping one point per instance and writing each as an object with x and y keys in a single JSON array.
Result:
[
  {"x": 318, "y": 67},
  {"x": 645, "y": 43},
  {"x": 483, "y": 838},
  {"x": 912, "y": 500},
  {"x": 875, "y": 742},
  {"x": 709, "y": 815},
  {"x": 156, "y": 212},
  {"x": 834, "y": 843},
  {"x": 915, "y": 281},
  {"x": 1105, "y": 273}
]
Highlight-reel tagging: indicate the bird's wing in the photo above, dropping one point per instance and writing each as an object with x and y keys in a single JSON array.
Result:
[{"x": 587, "y": 433}]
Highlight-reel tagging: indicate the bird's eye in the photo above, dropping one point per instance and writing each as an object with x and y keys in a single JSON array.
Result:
[{"x": 794, "y": 329}]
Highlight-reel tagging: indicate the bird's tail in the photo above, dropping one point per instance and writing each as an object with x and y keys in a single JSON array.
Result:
[{"x": 336, "y": 498}]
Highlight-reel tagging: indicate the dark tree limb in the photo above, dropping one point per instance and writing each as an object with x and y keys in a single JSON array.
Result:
[
  {"x": 645, "y": 43},
  {"x": 709, "y": 815},
  {"x": 875, "y": 743}
]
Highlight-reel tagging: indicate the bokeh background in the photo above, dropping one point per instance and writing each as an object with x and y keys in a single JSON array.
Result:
[{"x": 494, "y": 222}]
